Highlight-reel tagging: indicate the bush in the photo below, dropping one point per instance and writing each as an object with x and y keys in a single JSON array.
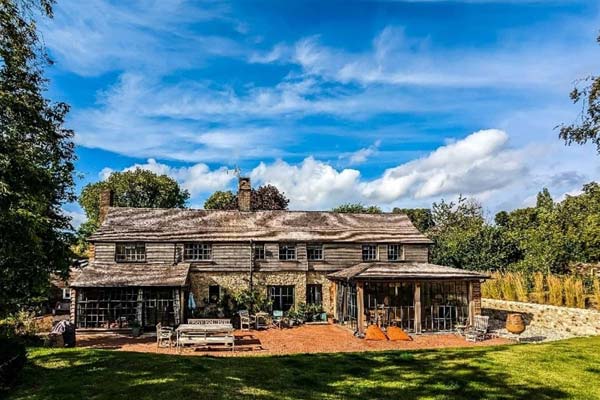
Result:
[
  {"x": 555, "y": 290},
  {"x": 12, "y": 360},
  {"x": 21, "y": 324},
  {"x": 251, "y": 300},
  {"x": 539, "y": 291}
]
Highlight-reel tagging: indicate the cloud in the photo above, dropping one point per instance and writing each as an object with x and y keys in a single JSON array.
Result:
[
  {"x": 77, "y": 217},
  {"x": 197, "y": 179},
  {"x": 361, "y": 156}
]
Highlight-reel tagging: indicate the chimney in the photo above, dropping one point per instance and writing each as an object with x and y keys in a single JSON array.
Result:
[
  {"x": 244, "y": 194},
  {"x": 106, "y": 200}
]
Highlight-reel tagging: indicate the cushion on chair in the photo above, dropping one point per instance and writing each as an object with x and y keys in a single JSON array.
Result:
[
  {"x": 395, "y": 333},
  {"x": 375, "y": 333}
]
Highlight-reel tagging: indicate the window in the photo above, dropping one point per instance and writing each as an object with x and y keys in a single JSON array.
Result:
[
  {"x": 259, "y": 251},
  {"x": 214, "y": 294},
  {"x": 66, "y": 294},
  {"x": 369, "y": 252},
  {"x": 131, "y": 252},
  {"x": 314, "y": 294},
  {"x": 287, "y": 252},
  {"x": 282, "y": 297},
  {"x": 395, "y": 252},
  {"x": 197, "y": 252},
  {"x": 314, "y": 251}
]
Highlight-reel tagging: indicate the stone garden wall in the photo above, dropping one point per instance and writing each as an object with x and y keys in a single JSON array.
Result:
[{"x": 543, "y": 322}]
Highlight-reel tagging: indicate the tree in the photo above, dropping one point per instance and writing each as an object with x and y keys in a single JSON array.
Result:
[
  {"x": 421, "y": 218},
  {"x": 588, "y": 126},
  {"x": 36, "y": 162},
  {"x": 356, "y": 208},
  {"x": 137, "y": 188},
  {"x": 221, "y": 200},
  {"x": 266, "y": 197}
]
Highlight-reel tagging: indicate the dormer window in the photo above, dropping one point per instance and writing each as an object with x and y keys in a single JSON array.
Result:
[
  {"x": 130, "y": 252},
  {"x": 287, "y": 252},
  {"x": 197, "y": 252}
]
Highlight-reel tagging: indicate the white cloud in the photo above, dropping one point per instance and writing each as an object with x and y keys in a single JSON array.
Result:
[
  {"x": 77, "y": 217},
  {"x": 362, "y": 155},
  {"x": 197, "y": 179}
]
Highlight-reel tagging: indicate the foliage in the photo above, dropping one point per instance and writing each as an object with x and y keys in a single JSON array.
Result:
[
  {"x": 221, "y": 200},
  {"x": 266, "y": 197},
  {"x": 422, "y": 218},
  {"x": 539, "y": 291},
  {"x": 356, "y": 208},
  {"x": 559, "y": 370},
  {"x": 13, "y": 357},
  {"x": 573, "y": 292},
  {"x": 36, "y": 162},
  {"x": 252, "y": 300},
  {"x": 588, "y": 126},
  {"x": 555, "y": 290},
  {"x": 21, "y": 323},
  {"x": 136, "y": 188}
]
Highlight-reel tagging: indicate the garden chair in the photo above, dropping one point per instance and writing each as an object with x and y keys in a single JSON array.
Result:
[
  {"x": 277, "y": 318},
  {"x": 246, "y": 320},
  {"x": 164, "y": 334},
  {"x": 479, "y": 329}
]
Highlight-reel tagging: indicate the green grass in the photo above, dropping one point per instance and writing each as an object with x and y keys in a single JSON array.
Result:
[{"x": 566, "y": 369}]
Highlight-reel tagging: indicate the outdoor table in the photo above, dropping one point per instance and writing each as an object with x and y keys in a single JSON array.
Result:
[{"x": 203, "y": 334}]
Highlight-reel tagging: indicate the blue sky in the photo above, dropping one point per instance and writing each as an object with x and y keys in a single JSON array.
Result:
[{"x": 391, "y": 103}]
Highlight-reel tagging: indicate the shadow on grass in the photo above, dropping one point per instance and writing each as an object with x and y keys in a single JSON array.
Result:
[{"x": 101, "y": 374}]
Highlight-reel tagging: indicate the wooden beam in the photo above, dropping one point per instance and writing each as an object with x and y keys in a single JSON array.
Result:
[
  {"x": 471, "y": 304},
  {"x": 417, "y": 301},
  {"x": 360, "y": 306}
]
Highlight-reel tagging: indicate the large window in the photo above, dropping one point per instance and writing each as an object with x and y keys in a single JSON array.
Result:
[
  {"x": 395, "y": 252},
  {"x": 314, "y": 251},
  {"x": 259, "y": 251},
  {"x": 197, "y": 252},
  {"x": 130, "y": 252},
  {"x": 314, "y": 294},
  {"x": 369, "y": 252},
  {"x": 287, "y": 251},
  {"x": 282, "y": 297}
]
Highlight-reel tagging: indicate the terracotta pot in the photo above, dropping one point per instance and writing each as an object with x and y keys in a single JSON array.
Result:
[{"x": 515, "y": 323}]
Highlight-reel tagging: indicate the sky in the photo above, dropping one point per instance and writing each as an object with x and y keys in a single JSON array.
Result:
[{"x": 398, "y": 104}]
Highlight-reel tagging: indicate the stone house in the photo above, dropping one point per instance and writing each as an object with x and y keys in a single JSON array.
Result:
[{"x": 360, "y": 267}]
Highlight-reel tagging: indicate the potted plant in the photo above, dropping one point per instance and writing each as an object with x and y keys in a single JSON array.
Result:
[{"x": 136, "y": 328}]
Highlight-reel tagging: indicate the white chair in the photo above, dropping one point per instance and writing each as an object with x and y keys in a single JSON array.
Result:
[
  {"x": 164, "y": 334},
  {"x": 479, "y": 329},
  {"x": 246, "y": 320}
]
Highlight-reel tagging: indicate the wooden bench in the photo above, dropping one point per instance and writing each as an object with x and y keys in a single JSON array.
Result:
[{"x": 203, "y": 332}]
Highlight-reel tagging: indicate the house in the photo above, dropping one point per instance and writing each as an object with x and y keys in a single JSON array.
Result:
[{"x": 361, "y": 267}]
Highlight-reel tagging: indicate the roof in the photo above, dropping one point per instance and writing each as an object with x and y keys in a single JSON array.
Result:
[
  {"x": 130, "y": 274},
  {"x": 404, "y": 270},
  {"x": 159, "y": 224}
]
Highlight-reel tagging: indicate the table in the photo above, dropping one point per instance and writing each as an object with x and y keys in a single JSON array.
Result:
[{"x": 204, "y": 334}]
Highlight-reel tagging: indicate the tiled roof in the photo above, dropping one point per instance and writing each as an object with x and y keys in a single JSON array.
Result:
[
  {"x": 403, "y": 270},
  {"x": 130, "y": 274},
  {"x": 155, "y": 224}
]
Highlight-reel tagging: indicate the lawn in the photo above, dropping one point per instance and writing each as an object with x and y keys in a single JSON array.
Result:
[{"x": 566, "y": 369}]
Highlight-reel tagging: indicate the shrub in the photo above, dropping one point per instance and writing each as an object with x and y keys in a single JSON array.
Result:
[
  {"x": 492, "y": 287},
  {"x": 555, "y": 290},
  {"x": 21, "y": 324},
  {"x": 539, "y": 292},
  {"x": 12, "y": 359},
  {"x": 251, "y": 300}
]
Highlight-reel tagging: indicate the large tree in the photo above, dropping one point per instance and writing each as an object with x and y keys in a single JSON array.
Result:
[
  {"x": 421, "y": 218},
  {"x": 136, "y": 188},
  {"x": 266, "y": 197},
  {"x": 36, "y": 162},
  {"x": 587, "y": 128}
]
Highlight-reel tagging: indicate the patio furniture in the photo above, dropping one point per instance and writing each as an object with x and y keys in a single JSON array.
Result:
[
  {"x": 277, "y": 318},
  {"x": 246, "y": 320},
  {"x": 202, "y": 332},
  {"x": 261, "y": 320},
  {"x": 479, "y": 329},
  {"x": 164, "y": 334}
]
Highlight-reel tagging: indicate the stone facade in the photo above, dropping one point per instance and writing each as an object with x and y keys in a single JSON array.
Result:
[{"x": 543, "y": 322}]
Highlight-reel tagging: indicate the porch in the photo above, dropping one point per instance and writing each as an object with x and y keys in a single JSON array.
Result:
[{"x": 416, "y": 297}]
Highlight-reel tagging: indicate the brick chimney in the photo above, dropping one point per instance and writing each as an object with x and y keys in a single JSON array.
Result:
[
  {"x": 106, "y": 200},
  {"x": 244, "y": 194}
]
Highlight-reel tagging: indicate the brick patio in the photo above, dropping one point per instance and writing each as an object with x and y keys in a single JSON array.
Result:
[{"x": 303, "y": 339}]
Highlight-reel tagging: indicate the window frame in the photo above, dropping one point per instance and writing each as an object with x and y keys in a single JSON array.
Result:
[
  {"x": 285, "y": 255},
  {"x": 123, "y": 257},
  {"x": 259, "y": 248},
  {"x": 271, "y": 289},
  {"x": 399, "y": 253},
  {"x": 314, "y": 291},
  {"x": 66, "y": 294},
  {"x": 375, "y": 252},
  {"x": 315, "y": 246},
  {"x": 197, "y": 251}
]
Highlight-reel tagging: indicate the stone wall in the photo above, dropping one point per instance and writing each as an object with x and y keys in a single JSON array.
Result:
[{"x": 543, "y": 322}]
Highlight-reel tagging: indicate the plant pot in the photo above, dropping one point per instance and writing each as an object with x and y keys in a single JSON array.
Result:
[
  {"x": 136, "y": 331},
  {"x": 515, "y": 323},
  {"x": 323, "y": 316}
]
